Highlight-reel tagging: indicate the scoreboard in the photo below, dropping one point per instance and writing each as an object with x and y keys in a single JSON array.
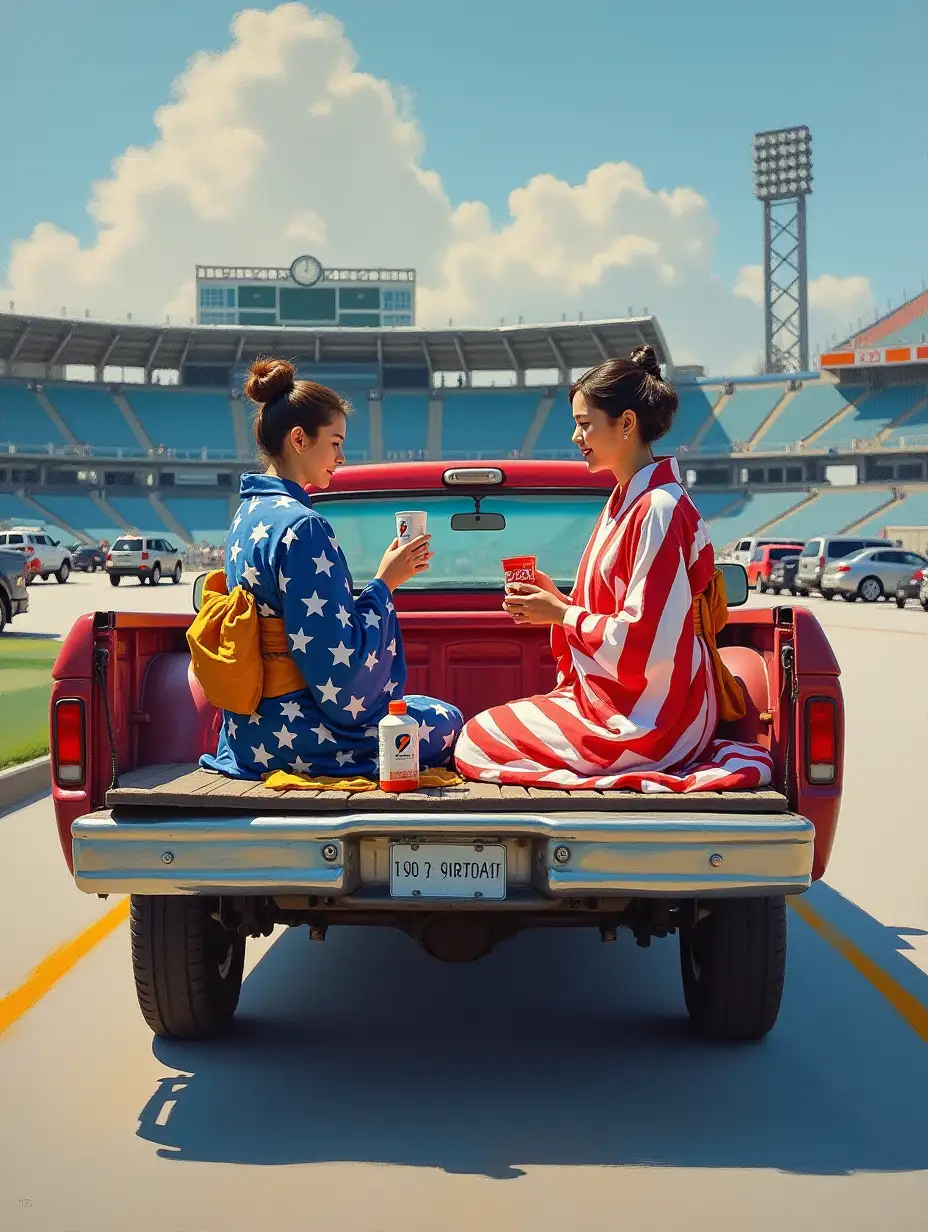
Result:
[{"x": 305, "y": 294}]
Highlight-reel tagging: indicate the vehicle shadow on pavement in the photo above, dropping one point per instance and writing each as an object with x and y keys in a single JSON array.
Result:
[{"x": 554, "y": 1050}]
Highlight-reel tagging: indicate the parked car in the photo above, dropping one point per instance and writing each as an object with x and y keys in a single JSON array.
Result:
[
  {"x": 818, "y": 553},
  {"x": 46, "y": 556},
  {"x": 910, "y": 588},
  {"x": 762, "y": 562},
  {"x": 145, "y": 558},
  {"x": 923, "y": 590},
  {"x": 14, "y": 598},
  {"x": 208, "y": 868},
  {"x": 870, "y": 574},
  {"x": 87, "y": 559},
  {"x": 783, "y": 574},
  {"x": 743, "y": 550}
]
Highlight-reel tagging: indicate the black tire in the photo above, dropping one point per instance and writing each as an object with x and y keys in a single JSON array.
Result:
[
  {"x": 115, "y": 579},
  {"x": 870, "y": 589},
  {"x": 802, "y": 591},
  {"x": 760, "y": 585},
  {"x": 155, "y": 576},
  {"x": 4, "y": 612},
  {"x": 924, "y": 603},
  {"x": 93, "y": 566},
  {"x": 733, "y": 965},
  {"x": 828, "y": 594},
  {"x": 187, "y": 967},
  {"x": 775, "y": 589},
  {"x": 63, "y": 573},
  {"x": 900, "y": 602},
  {"x": 849, "y": 597},
  {"x": 177, "y": 574},
  {"x": 796, "y": 593}
]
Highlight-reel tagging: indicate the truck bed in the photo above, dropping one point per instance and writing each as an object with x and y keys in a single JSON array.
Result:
[{"x": 189, "y": 787}]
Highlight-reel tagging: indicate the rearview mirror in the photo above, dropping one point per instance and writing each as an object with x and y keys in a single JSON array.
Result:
[
  {"x": 736, "y": 582},
  {"x": 478, "y": 521},
  {"x": 198, "y": 591}
]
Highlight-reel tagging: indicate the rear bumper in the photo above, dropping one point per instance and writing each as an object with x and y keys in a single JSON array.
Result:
[
  {"x": 342, "y": 856},
  {"x": 839, "y": 583}
]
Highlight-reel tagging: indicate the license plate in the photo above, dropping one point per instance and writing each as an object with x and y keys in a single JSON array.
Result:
[{"x": 448, "y": 870}]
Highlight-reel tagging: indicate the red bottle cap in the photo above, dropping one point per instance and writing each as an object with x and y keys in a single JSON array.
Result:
[{"x": 397, "y": 707}]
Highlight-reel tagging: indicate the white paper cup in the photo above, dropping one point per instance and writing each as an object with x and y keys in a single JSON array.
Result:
[{"x": 410, "y": 523}]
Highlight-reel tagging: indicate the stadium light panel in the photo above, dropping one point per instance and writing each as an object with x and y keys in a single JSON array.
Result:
[{"x": 782, "y": 164}]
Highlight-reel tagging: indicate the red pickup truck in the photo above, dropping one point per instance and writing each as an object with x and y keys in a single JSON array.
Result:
[{"x": 209, "y": 861}]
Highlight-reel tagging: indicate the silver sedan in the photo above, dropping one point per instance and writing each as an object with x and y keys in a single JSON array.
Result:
[{"x": 869, "y": 574}]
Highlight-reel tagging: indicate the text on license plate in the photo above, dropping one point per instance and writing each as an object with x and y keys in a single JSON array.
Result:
[{"x": 448, "y": 870}]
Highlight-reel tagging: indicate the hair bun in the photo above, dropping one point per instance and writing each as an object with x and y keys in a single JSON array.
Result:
[
  {"x": 269, "y": 379},
  {"x": 645, "y": 357}
]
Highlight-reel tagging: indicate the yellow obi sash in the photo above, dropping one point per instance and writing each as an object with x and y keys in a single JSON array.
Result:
[
  {"x": 238, "y": 656},
  {"x": 710, "y": 615}
]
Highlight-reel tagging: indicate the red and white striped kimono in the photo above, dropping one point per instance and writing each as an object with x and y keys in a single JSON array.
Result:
[{"x": 635, "y": 702}]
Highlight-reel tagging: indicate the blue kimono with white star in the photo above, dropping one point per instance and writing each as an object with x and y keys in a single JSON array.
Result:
[{"x": 349, "y": 651}]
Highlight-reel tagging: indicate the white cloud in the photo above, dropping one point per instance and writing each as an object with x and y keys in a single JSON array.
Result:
[
  {"x": 279, "y": 143},
  {"x": 833, "y": 302}
]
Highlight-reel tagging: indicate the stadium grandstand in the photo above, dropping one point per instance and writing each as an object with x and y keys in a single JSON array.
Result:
[{"x": 156, "y": 434}]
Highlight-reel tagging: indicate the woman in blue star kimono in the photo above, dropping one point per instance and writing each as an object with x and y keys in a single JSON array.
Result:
[{"x": 349, "y": 651}]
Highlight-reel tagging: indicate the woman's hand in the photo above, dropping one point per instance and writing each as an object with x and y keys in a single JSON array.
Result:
[
  {"x": 535, "y": 605},
  {"x": 543, "y": 582},
  {"x": 403, "y": 561}
]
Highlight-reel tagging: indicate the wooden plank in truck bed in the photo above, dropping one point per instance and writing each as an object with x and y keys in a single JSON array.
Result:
[{"x": 186, "y": 786}]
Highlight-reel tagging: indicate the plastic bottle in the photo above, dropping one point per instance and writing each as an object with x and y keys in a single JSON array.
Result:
[{"x": 398, "y": 735}]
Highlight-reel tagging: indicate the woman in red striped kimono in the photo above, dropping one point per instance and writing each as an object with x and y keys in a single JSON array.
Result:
[{"x": 636, "y": 702}]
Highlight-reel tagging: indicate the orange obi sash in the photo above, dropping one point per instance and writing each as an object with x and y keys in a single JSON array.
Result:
[
  {"x": 238, "y": 656},
  {"x": 710, "y": 615}
]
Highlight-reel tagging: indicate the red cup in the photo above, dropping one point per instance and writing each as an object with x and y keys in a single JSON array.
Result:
[{"x": 519, "y": 569}]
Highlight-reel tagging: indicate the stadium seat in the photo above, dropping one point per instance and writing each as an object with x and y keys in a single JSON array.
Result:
[
  {"x": 758, "y": 509},
  {"x": 811, "y": 407},
  {"x": 877, "y": 411},
  {"x": 915, "y": 427},
  {"x": 80, "y": 513},
  {"x": 206, "y": 518},
  {"x": 23, "y": 420},
  {"x": 13, "y": 511},
  {"x": 743, "y": 413},
  {"x": 140, "y": 515},
  {"x": 94, "y": 418},
  {"x": 912, "y": 511},
  {"x": 487, "y": 422},
  {"x": 694, "y": 410},
  {"x": 554, "y": 439},
  {"x": 405, "y": 424},
  {"x": 185, "y": 420},
  {"x": 830, "y": 513}
]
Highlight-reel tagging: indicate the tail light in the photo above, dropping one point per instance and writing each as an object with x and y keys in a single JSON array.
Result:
[
  {"x": 68, "y": 742},
  {"x": 821, "y": 740},
  {"x": 841, "y": 568},
  {"x": 144, "y": 556},
  {"x": 109, "y": 558}
]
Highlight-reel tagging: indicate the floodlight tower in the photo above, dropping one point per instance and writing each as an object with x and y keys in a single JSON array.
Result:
[{"x": 783, "y": 180}]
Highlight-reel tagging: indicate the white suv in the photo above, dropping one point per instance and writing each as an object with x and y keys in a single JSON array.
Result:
[
  {"x": 45, "y": 556},
  {"x": 145, "y": 558}
]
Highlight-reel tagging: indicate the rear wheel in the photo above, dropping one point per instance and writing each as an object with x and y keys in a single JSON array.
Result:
[
  {"x": 115, "y": 579},
  {"x": 870, "y": 589},
  {"x": 802, "y": 591},
  {"x": 775, "y": 589},
  {"x": 155, "y": 575},
  {"x": 900, "y": 601},
  {"x": 63, "y": 573},
  {"x": 848, "y": 596},
  {"x": 188, "y": 968},
  {"x": 177, "y": 574},
  {"x": 828, "y": 594},
  {"x": 733, "y": 964},
  {"x": 760, "y": 585}
]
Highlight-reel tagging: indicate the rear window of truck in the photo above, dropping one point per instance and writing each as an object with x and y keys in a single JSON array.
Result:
[
  {"x": 127, "y": 545},
  {"x": 553, "y": 528}
]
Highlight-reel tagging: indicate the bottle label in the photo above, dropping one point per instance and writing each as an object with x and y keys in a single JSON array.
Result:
[{"x": 399, "y": 755}]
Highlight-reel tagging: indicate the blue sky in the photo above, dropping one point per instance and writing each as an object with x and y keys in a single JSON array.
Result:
[{"x": 507, "y": 89}]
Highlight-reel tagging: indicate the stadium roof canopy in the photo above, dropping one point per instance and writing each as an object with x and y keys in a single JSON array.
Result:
[{"x": 29, "y": 343}]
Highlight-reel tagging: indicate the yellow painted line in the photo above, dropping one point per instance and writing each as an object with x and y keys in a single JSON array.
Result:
[
  {"x": 57, "y": 965},
  {"x": 902, "y": 1001}
]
